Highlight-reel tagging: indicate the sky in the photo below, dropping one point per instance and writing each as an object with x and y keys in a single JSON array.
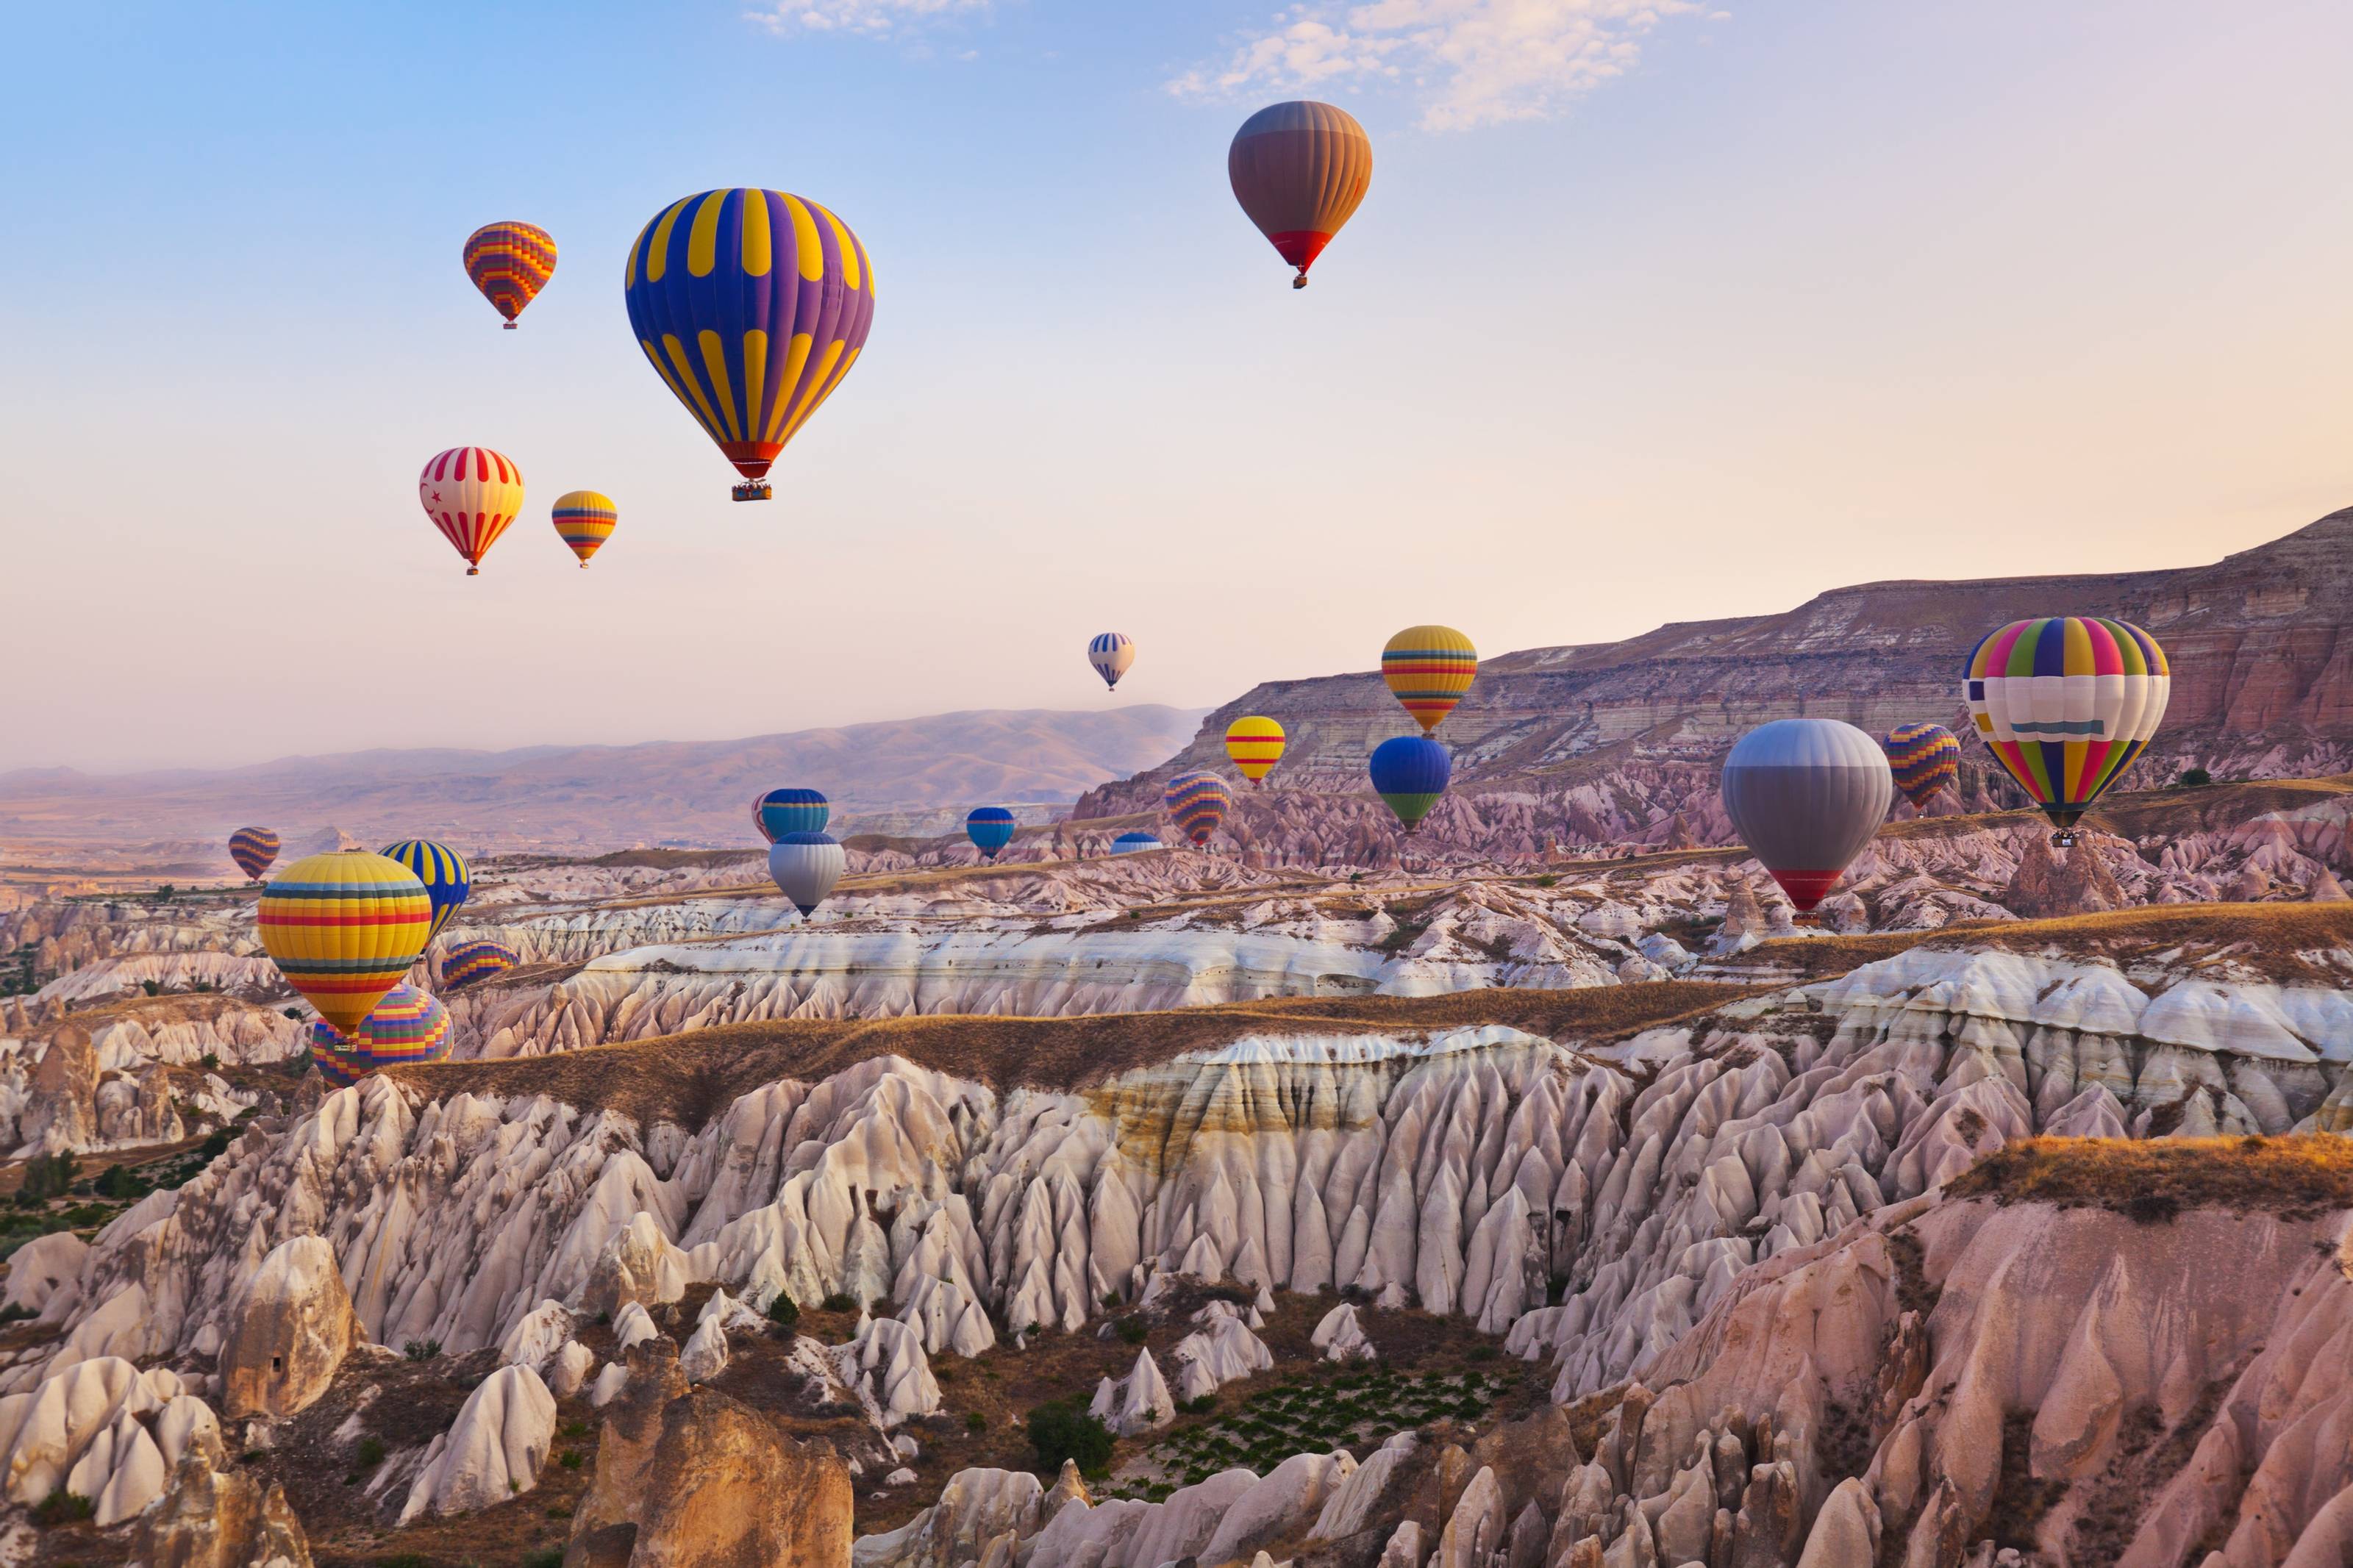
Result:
[{"x": 1655, "y": 311}]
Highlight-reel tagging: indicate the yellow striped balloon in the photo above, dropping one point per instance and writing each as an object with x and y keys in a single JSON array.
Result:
[
  {"x": 1254, "y": 744},
  {"x": 1428, "y": 668},
  {"x": 344, "y": 928},
  {"x": 585, "y": 519}
]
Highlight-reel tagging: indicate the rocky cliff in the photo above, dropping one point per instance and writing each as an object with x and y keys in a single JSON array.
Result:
[{"x": 1616, "y": 741}]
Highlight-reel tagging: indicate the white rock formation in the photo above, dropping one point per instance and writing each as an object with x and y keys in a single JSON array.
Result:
[
  {"x": 1340, "y": 1337},
  {"x": 886, "y": 1367},
  {"x": 1136, "y": 1403},
  {"x": 493, "y": 1450},
  {"x": 1221, "y": 1352}
]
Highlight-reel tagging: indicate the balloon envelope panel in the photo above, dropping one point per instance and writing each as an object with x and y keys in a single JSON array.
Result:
[
  {"x": 792, "y": 810},
  {"x": 408, "y": 1025},
  {"x": 1428, "y": 669},
  {"x": 448, "y": 879},
  {"x": 990, "y": 829},
  {"x": 510, "y": 263},
  {"x": 1410, "y": 772},
  {"x": 344, "y": 927},
  {"x": 2066, "y": 703},
  {"x": 1197, "y": 800},
  {"x": 1924, "y": 758},
  {"x": 1254, "y": 744},
  {"x": 1299, "y": 169},
  {"x": 1133, "y": 843},
  {"x": 472, "y": 494},
  {"x": 583, "y": 520},
  {"x": 1111, "y": 653},
  {"x": 805, "y": 866},
  {"x": 1807, "y": 795},
  {"x": 468, "y": 961}
]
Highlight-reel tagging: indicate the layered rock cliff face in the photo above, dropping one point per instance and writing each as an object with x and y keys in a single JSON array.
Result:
[
  {"x": 1610, "y": 742},
  {"x": 1619, "y": 1207}
]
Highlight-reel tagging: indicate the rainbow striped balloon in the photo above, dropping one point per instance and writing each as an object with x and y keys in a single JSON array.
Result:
[
  {"x": 471, "y": 493},
  {"x": 583, "y": 520},
  {"x": 406, "y": 1026},
  {"x": 466, "y": 963},
  {"x": 1254, "y": 744},
  {"x": 253, "y": 849},
  {"x": 1197, "y": 800},
  {"x": 510, "y": 263},
  {"x": 2065, "y": 704},
  {"x": 443, "y": 871},
  {"x": 1924, "y": 758},
  {"x": 1428, "y": 669},
  {"x": 344, "y": 927}
]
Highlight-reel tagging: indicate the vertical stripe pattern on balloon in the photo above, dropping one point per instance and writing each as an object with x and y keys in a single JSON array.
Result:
[
  {"x": 752, "y": 306},
  {"x": 1299, "y": 169},
  {"x": 2065, "y": 704},
  {"x": 1111, "y": 653},
  {"x": 446, "y": 878},
  {"x": 472, "y": 494}
]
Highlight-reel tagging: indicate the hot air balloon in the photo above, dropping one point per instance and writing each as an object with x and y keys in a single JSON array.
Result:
[
  {"x": 806, "y": 865},
  {"x": 466, "y": 963},
  {"x": 990, "y": 829},
  {"x": 1254, "y": 744},
  {"x": 1197, "y": 800},
  {"x": 1428, "y": 669},
  {"x": 510, "y": 263},
  {"x": 1299, "y": 169},
  {"x": 344, "y": 927},
  {"x": 1133, "y": 843},
  {"x": 1410, "y": 771},
  {"x": 1111, "y": 653},
  {"x": 2065, "y": 704},
  {"x": 793, "y": 810},
  {"x": 406, "y": 1026},
  {"x": 253, "y": 849},
  {"x": 442, "y": 870},
  {"x": 471, "y": 493},
  {"x": 1806, "y": 796},
  {"x": 583, "y": 520},
  {"x": 1924, "y": 758},
  {"x": 752, "y": 306}
]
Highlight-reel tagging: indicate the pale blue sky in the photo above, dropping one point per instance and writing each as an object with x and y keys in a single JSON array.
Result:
[{"x": 1800, "y": 294}]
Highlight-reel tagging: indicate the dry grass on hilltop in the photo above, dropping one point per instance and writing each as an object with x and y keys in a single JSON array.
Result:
[
  {"x": 690, "y": 1076},
  {"x": 2153, "y": 1180}
]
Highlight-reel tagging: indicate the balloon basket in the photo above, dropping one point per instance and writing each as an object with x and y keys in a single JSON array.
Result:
[
  {"x": 752, "y": 489},
  {"x": 2063, "y": 840},
  {"x": 1300, "y": 281},
  {"x": 473, "y": 571},
  {"x": 510, "y": 326}
]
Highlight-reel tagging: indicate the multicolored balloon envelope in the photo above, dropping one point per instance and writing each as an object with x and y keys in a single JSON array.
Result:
[
  {"x": 443, "y": 871},
  {"x": 1428, "y": 669},
  {"x": 792, "y": 810},
  {"x": 583, "y": 520},
  {"x": 471, "y": 493},
  {"x": 1410, "y": 771},
  {"x": 344, "y": 927},
  {"x": 806, "y": 865},
  {"x": 465, "y": 963},
  {"x": 406, "y": 1028},
  {"x": 1925, "y": 759},
  {"x": 1807, "y": 795},
  {"x": 253, "y": 849},
  {"x": 2065, "y": 704},
  {"x": 990, "y": 829},
  {"x": 1254, "y": 744},
  {"x": 1111, "y": 653},
  {"x": 1133, "y": 843},
  {"x": 510, "y": 263},
  {"x": 752, "y": 306},
  {"x": 1197, "y": 800},
  {"x": 1299, "y": 169}
]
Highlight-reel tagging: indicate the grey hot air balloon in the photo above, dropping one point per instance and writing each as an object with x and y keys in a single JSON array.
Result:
[
  {"x": 1807, "y": 794},
  {"x": 806, "y": 866}
]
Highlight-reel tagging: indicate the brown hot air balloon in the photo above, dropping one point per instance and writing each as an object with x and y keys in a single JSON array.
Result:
[{"x": 1299, "y": 169}]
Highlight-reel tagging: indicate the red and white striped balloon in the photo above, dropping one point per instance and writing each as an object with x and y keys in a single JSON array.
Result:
[{"x": 471, "y": 493}]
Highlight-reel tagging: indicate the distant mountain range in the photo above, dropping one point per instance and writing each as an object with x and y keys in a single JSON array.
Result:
[
  {"x": 1612, "y": 741},
  {"x": 909, "y": 776}
]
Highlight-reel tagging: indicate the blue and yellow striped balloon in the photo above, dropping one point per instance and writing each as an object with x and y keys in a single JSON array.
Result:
[
  {"x": 752, "y": 306},
  {"x": 793, "y": 809},
  {"x": 344, "y": 927},
  {"x": 407, "y": 1026},
  {"x": 466, "y": 963},
  {"x": 442, "y": 870},
  {"x": 583, "y": 520}
]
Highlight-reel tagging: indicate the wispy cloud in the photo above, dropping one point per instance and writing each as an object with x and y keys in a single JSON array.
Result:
[
  {"x": 1472, "y": 62},
  {"x": 869, "y": 18}
]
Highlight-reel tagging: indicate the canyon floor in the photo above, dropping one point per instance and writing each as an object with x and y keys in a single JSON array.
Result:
[{"x": 1509, "y": 1211}]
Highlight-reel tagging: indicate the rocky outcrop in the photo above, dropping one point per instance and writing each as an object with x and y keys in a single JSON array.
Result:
[
  {"x": 287, "y": 1331},
  {"x": 2049, "y": 884},
  {"x": 702, "y": 1481},
  {"x": 503, "y": 1435},
  {"x": 1136, "y": 1403},
  {"x": 104, "y": 1430},
  {"x": 212, "y": 1518}
]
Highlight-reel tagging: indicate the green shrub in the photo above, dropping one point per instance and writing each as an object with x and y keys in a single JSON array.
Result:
[
  {"x": 974, "y": 1421},
  {"x": 1547, "y": 881},
  {"x": 783, "y": 1311},
  {"x": 153, "y": 987},
  {"x": 2195, "y": 778},
  {"x": 545, "y": 1557},
  {"x": 211, "y": 1060},
  {"x": 62, "y": 1507},
  {"x": 115, "y": 1181},
  {"x": 1133, "y": 1328},
  {"x": 1062, "y": 1430},
  {"x": 1201, "y": 1407},
  {"x": 421, "y": 1350},
  {"x": 371, "y": 1452},
  {"x": 216, "y": 1145},
  {"x": 570, "y": 1458},
  {"x": 840, "y": 1301}
]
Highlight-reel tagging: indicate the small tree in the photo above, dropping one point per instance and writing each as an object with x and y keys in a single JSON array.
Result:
[
  {"x": 2196, "y": 778},
  {"x": 1062, "y": 1430}
]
